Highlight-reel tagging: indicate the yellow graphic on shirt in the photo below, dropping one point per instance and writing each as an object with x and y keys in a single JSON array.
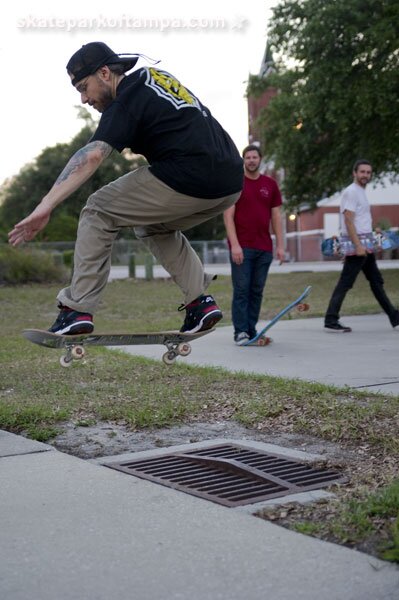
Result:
[{"x": 169, "y": 88}]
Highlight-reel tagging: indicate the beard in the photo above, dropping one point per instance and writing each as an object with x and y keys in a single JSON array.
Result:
[
  {"x": 105, "y": 98},
  {"x": 252, "y": 168}
]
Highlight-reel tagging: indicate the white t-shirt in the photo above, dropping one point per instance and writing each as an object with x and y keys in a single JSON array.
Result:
[{"x": 354, "y": 199}]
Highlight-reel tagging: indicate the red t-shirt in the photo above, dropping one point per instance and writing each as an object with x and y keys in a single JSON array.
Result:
[{"x": 253, "y": 212}]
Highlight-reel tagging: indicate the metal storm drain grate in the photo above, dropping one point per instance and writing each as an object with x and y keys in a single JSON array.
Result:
[{"x": 231, "y": 475}]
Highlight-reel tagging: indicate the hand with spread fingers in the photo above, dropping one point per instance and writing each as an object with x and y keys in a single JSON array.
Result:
[{"x": 28, "y": 228}]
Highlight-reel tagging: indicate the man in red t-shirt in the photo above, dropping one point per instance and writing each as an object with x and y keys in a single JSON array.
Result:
[{"x": 251, "y": 247}]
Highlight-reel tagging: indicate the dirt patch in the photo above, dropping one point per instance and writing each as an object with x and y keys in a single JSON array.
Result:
[
  {"x": 364, "y": 469},
  {"x": 108, "y": 439}
]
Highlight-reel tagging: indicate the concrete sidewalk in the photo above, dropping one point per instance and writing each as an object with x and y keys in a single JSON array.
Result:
[
  {"x": 365, "y": 359},
  {"x": 75, "y": 530},
  {"x": 224, "y": 269}
]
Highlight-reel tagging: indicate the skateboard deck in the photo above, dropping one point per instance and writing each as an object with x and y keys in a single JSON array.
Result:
[
  {"x": 261, "y": 339},
  {"x": 177, "y": 343},
  {"x": 343, "y": 246}
]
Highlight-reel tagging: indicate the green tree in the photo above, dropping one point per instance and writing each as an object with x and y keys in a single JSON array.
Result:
[
  {"x": 24, "y": 192},
  {"x": 19, "y": 196},
  {"x": 338, "y": 82}
]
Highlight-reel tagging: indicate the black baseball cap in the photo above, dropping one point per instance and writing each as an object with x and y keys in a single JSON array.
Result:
[{"x": 94, "y": 55}]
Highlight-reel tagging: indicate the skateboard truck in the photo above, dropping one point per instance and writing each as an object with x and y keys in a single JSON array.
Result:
[
  {"x": 175, "y": 349},
  {"x": 73, "y": 352}
]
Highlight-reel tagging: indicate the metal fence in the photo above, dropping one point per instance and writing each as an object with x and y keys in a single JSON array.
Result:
[
  {"x": 209, "y": 251},
  {"x": 300, "y": 247}
]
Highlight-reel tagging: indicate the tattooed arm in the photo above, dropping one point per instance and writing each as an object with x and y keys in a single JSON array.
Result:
[{"x": 79, "y": 169}]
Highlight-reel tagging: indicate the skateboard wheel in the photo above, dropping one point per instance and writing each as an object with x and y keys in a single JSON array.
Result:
[
  {"x": 78, "y": 352},
  {"x": 184, "y": 349},
  {"x": 264, "y": 341},
  {"x": 169, "y": 358},
  {"x": 303, "y": 307},
  {"x": 65, "y": 361}
]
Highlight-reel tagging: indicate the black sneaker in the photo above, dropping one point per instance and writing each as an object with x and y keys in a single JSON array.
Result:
[
  {"x": 337, "y": 328},
  {"x": 395, "y": 320},
  {"x": 72, "y": 322},
  {"x": 201, "y": 314}
]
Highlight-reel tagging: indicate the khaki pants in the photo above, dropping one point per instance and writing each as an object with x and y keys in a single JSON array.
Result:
[{"x": 158, "y": 214}]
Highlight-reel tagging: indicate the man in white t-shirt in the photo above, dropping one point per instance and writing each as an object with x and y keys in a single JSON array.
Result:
[{"x": 356, "y": 223}]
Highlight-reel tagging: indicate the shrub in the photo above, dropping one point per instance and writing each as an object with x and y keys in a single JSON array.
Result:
[
  {"x": 67, "y": 256},
  {"x": 23, "y": 265}
]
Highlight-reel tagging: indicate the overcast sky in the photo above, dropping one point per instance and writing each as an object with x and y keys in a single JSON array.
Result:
[{"x": 211, "y": 46}]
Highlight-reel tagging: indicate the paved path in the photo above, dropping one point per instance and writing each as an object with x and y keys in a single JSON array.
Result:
[
  {"x": 224, "y": 269},
  {"x": 367, "y": 358},
  {"x": 74, "y": 530}
]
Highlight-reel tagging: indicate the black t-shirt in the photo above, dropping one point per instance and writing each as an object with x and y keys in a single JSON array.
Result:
[{"x": 154, "y": 115}]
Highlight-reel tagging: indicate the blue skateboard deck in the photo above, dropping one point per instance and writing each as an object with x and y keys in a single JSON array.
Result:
[
  {"x": 343, "y": 246},
  {"x": 260, "y": 339}
]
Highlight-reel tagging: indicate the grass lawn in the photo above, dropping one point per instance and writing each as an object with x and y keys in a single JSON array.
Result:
[{"x": 38, "y": 398}]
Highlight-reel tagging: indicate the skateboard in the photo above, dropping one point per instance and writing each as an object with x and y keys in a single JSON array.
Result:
[
  {"x": 343, "y": 246},
  {"x": 261, "y": 339},
  {"x": 177, "y": 343}
]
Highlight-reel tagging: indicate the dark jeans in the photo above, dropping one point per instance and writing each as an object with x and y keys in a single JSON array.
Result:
[
  {"x": 352, "y": 267},
  {"x": 249, "y": 279}
]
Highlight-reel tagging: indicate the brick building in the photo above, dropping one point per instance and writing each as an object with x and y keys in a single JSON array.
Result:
[
  {"x": 256, "y": 104},
  {"x": 306, "y": 231}
]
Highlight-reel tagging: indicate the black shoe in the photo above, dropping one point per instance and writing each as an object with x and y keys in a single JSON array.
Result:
[
  {"x": 395, "y": 320},
  {"x": 72, "y": 322},
  {"x": 201, "y": 314},
  {"x": 337, "y": 328}
]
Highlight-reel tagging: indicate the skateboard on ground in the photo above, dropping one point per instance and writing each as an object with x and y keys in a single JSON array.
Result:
[
  {"x": 343, "y": 246},
  {"x": 263, "y": 340},
  {"x": 177, "y": 343}
]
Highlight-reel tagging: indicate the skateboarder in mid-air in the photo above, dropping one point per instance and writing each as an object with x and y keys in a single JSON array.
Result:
[{"x": 195, "y": 172}]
